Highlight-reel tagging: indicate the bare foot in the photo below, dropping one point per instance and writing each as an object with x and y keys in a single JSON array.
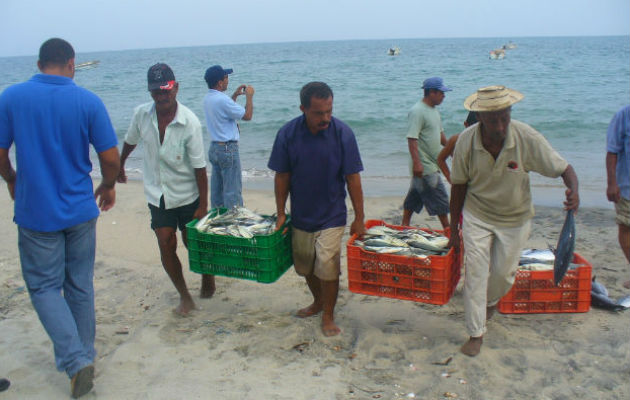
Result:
[
  {"x": 185, "y": 307},
  {"x": 473, "y": 346},
  {"x": 309, "y": 311},
  {"x": 626, "y": 284},
  {"x": 490, "y": 311},
  {"x": 207, "y": 286},
  {"x": 329, "y": 328}
]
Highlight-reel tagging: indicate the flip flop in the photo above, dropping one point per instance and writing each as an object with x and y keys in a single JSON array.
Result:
[
  {"x": 82, "y": 382},
  {"x": 4, "y": 384}
]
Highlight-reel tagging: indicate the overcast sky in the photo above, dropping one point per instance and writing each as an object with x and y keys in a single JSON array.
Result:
[{"x": 96, "y": 25}]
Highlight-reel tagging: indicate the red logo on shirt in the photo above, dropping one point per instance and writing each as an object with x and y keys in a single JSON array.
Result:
[{"x": 512, "y": 165}]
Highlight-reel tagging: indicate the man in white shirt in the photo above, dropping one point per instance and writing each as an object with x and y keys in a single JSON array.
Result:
[
  {"x": 222, "y": 112},
  {"x": 175, "y": 180}
]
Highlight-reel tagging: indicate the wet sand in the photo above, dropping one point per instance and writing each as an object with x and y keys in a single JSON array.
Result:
[{"x": 245, "y": 342}]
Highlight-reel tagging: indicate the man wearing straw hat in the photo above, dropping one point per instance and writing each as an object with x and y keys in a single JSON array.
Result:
[{"x": 490, "y": 188}]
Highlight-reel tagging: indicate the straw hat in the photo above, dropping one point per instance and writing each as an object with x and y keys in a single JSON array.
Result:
[{"x": 492, "y": 98}]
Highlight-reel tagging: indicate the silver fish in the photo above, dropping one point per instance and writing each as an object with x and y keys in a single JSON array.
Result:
[
  {"x": 564, "y": 248},
  {"x": 600, "y": 299}
]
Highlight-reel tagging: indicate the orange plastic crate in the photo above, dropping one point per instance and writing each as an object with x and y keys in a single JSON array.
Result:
[
  {"x": 534, "y": 291},
  {"x": 401, "y": 277}
]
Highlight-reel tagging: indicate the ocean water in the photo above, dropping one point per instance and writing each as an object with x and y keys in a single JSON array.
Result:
[{"x": 572, "y": 88}]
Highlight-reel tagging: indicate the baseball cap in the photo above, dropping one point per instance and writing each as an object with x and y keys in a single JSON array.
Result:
[
  {"x": 160, "y": 76},
  {"x": 435, "y": 83},
  {"x": 216, "y": 73}
]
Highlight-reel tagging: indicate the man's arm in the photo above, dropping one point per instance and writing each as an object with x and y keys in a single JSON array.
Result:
[
  {"x": 105, "y": 194},
  {"x": 127, "y": 149},
  {"x": 571, "y": 182},
  {"x": 281, "y": 182},
  {"x": 418, "y": 168},
  {"x": 445, "y": 153},
  {"x": 202, "y": 185},
  {"x": 356, "y": 196},
  {"x": 458, "y": 195},
  {"x": 7, "y": 171},
  {"x": 249, "y": 103},
  {"x": 612, "y": 191}
]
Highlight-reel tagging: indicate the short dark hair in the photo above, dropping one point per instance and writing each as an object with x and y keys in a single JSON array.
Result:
[
  {"x": 55, "y": 51},
  {"x": 471, "y": 118},
  {"x": 427, "y": 92},
  {"x": 314, "y": 89}
]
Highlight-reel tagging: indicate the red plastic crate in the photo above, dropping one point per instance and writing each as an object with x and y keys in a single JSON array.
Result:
[
  {"x": 535, "y": 292},
  {"x": 401, "y": 277}
]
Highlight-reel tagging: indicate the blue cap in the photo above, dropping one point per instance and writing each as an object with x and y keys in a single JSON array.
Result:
[
  {"x": 215, "y": 74},
  {"x": 435, "y": 83}
]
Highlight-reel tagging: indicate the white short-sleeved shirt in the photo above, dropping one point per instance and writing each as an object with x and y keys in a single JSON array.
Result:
[
  {"x": 169, "y": 168},
  {"x": 221, "y": 115},
  {"x": 498, "y": 190}
]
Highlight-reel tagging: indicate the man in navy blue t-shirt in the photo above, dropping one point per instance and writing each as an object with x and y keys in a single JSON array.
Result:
[
  {"x": 315, "y": 156},
  {"x": 53, "y": 123}
]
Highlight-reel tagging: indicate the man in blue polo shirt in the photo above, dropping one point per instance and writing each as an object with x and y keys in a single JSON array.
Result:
[
  {"x": 222, "y": 112},
  {"x": 53, "y": 122},
  {"x": 315, "y": 156},
  {"x": 618, "y": 173}
]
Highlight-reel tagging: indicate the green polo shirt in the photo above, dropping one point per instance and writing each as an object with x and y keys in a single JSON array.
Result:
[
  {"x": 425, "y": 125},
  {"x": 498, "y": 190}
]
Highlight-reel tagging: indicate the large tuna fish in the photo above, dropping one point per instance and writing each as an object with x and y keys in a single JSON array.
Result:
[{"x": 564, "y": 248}]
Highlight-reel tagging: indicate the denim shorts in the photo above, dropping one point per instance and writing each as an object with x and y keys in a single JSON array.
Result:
[
  {"x": 173, "y": 217},
  {"x": 429, "y": 192}
]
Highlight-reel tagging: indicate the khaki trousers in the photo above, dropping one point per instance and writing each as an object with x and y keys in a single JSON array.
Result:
[{"x": 491, "y": 259}]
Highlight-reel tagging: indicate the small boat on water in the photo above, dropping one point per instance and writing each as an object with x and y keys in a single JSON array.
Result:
[
  {"x": 509, "y": 46},
  {"x": 497, "y": 54},
  {"x": 86, "y": 65},
  {"x": 393, "y": 51}
]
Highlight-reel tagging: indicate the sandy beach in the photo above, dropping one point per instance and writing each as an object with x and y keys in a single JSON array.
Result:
[{"x": 245, "y": 343}]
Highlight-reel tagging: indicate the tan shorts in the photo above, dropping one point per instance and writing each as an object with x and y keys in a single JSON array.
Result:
[
  {"x": 623, "y": 212},
  {"x": 318, "y": 253}
]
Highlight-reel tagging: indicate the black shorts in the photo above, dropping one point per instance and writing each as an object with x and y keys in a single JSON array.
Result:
[
  {"x": 173, "y": 217},
  {"x": 429, "y": 192}
]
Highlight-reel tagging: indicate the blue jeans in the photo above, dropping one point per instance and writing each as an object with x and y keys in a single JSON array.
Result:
[
  {"x": 225, "y": 181},
  {"x": 53, "y": 262}
]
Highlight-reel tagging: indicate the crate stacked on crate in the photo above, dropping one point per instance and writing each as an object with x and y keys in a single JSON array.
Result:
[
  {"x": 262, "y": 258},
  {"x": 535, "y": 292},
  {"x": 429, "y": 280}
]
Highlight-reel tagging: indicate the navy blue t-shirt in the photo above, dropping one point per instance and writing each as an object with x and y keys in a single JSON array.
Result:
[
  {"x": 318, "y": 164},
  {"x": 52, "y": 122}
]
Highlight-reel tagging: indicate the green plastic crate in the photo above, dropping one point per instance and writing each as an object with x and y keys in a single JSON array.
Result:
[{"x": 263, "y": 258}]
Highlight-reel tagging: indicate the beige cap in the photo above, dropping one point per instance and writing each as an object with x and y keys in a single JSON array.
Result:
[{"x": 492, "y": 98}]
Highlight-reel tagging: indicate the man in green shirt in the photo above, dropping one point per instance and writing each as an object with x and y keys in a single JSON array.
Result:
[{"x": 425, "y": 138}]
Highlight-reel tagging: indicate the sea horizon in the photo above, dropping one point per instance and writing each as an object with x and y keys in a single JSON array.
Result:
[{"x": 573, "y": 85}]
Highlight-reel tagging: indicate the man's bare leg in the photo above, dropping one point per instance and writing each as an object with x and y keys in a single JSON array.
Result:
[
  {"x": 167, "y": 242},
  {"x": 473, "y": 346},
  {"x": 314, "y": 285},
  {"x": 207, "y": 281},
  {"x": 624, "y": 242},
  {"x": 207, "y": 286},
  {"x": 406, "y": 219},
  {"x": 330, "y": 289},
  {"x": 444, "y": 220}
]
